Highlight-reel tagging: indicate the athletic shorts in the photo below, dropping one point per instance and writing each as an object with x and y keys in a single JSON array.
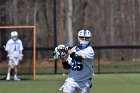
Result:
[
  {"x": 79, "y": 86},
  {"x": 13, "y": 61}
]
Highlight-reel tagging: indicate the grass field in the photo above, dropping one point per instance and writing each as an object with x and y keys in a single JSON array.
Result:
[{"x": 103, "y": 83}]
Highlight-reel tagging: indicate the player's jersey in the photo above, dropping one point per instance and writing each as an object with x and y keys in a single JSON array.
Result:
[
  {"x": 82, "y": 70},
  {"x": 14, "y": 47}
]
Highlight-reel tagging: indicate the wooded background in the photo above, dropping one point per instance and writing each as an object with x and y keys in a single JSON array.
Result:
[{"x": 112, "y": 22}]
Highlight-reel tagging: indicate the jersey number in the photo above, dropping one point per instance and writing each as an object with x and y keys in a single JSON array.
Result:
[
  {"x": 77, "y": 66},
  {"x": 15, "y": 48}
]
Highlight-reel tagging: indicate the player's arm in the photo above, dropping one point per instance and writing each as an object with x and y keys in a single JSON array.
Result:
[
  {"x": 70, "y": 53},
  {"x": 20, "y": 50},
  {"x": 65, "y": 63},
  {"x": 87, "y": 54},
  {"x": 8, "y": 51},
  {"x": 7, "y": 48},
  {"x": 75, "y": 56},
  {"x": 21, "y": 46},
  {"x": 81, "y": 55}
]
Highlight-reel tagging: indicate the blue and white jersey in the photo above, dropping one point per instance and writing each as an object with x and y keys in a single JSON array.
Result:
[
  {"x": 14, "y": 47},
  {"x": 81, "y": 70}
]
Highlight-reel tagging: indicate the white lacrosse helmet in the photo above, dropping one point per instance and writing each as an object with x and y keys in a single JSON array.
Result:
[
  {"x": 84, "y": 38},
  {"x": 14, "y": 35}
]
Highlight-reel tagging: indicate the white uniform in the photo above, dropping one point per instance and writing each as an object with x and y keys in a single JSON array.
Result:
[
  {"x": 14, "y": 47},
  {"x": 79, "y": 78}
]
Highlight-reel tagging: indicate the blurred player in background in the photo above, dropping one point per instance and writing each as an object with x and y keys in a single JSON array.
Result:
[
  {"x": 80, "y": 61},
  {"x": 14, "y": 49}
]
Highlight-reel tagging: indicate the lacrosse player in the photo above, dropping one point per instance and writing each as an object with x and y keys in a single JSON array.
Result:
[
  {"x": 80, "y": 61},
  {"x": 14, "y": 49}
]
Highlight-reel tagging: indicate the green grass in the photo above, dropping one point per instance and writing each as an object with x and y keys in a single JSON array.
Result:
[
  {"x": 119, "y": 67},
  {"x": 116, "y": 83},
  {"x": 104, "y": 83}
]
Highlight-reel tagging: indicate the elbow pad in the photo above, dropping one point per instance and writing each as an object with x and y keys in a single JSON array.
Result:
[
  {"x": 76, "y": 57},
  {"x": 66, "y": 65}
]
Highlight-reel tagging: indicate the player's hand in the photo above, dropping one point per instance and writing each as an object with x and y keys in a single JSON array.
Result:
[
  {"x": 9, "y": 55},
  {"x": 67, "y": 47},
  {"x": 21, "y": 55},
  {"x": 62, "y": 48}
]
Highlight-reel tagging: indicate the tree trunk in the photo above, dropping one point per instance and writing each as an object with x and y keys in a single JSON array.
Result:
[{"x": 69, "y": 22}]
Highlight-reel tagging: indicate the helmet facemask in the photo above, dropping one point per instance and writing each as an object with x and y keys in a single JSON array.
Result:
[
  {"x": 14, "y": 38},
  {"x": 84, "y": 41}
]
